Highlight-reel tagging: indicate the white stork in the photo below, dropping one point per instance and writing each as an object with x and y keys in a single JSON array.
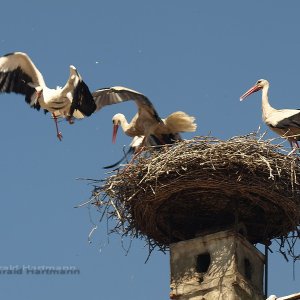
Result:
[
  {"x": 285, "y": 122},
  {"x": 146, "y": 122},
  {"x": 18, "y": 74}
]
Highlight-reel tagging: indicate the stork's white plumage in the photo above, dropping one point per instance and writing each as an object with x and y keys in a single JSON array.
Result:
[
  {"x": 18, "y": 74},
  {"x": 147, "y": 121},
  {"x": 285, "y": 122},
  {"x": 164, "y": 132}
]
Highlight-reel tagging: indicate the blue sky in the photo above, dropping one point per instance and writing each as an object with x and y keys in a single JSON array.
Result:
[{"x": 195, "y": 56}]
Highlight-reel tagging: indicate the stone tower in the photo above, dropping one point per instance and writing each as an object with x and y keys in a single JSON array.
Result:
[{"x": 223, "y": 266}]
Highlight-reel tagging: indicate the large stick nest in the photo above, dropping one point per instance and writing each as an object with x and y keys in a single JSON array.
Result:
[{"x": 205, "y": 184}]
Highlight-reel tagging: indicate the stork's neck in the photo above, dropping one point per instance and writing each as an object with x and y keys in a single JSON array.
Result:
[
  {"x": 266, "y": 107},
  {"x": 124, "y": 123}
]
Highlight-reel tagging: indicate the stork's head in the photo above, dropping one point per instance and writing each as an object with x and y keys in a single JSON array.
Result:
[
  {"x": 116, "y": 123},
  {"x": 260, "y": 84}
]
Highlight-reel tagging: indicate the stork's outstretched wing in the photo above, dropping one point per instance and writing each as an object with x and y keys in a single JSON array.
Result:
[
  {"x": 82, "y": 97},
  {"x": 18, "y": 74},
  {"x": 118, "y": 94}
]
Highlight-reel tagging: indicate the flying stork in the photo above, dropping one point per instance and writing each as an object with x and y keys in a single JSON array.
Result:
[
  {"x": 285, "y": 122},
  {"x": 146, "y": 122},
  {"x": 18, "y": 74}
]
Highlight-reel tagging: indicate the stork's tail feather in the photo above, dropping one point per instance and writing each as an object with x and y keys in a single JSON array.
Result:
[{"x": 180, "y": 122}]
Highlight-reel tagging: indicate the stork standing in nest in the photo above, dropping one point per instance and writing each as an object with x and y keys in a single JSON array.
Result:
[
  {"x": 146, "y": 122},
  {"x": 285, "y": 122},
  {"x": 18, "y": 74}
]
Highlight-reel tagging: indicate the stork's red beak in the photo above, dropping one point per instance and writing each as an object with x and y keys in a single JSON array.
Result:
[
  {"x": 115, "y": 130},
  {"x": 254, "y": 89}
]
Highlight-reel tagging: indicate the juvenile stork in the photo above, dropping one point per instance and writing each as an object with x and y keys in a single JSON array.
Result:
[
  {"x": 18, "y": 74},
  {"x": 285, "y": 122},
  {"x": 146, "y": 122}
]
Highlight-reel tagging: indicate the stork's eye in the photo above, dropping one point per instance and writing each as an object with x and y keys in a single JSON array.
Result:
[{"x": 259, "y": 81}]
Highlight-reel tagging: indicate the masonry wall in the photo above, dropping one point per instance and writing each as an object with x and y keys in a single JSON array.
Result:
[{"x": 223, "y": 265}]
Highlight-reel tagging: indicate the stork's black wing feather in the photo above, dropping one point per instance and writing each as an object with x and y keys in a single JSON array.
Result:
[
  {"x": 82, "y": 100},
  {"x": 169, "y": 138},
  {"x": 16, "y": 81},
  {"x": 292, "y": 121}
]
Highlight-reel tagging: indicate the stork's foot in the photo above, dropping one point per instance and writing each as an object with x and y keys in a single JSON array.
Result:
[
  {"x": 70, "y": 119},
  {"x": 59, "y": 136}
]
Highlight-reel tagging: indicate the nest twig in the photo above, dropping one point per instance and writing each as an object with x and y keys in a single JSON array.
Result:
[{"x": 204, "y": 184}]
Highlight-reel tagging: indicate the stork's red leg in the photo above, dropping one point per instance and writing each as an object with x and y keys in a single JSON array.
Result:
[
  {"x": 58, "y": 133},
  {"x": 70, "y": 119}
]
